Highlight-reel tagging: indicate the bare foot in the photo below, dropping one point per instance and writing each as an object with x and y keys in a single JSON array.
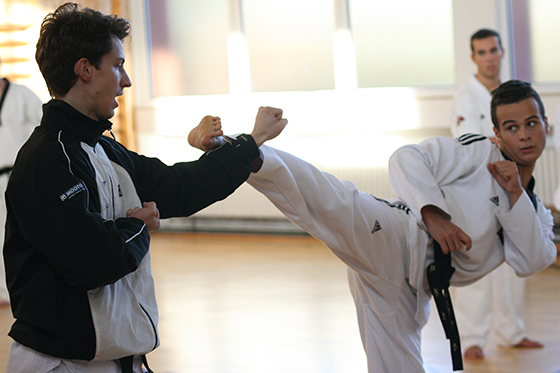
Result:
[
  {"x": 527, "y": 343},
  {"x": 474, "y": 353},
  {"x": 207, "y": 135}
]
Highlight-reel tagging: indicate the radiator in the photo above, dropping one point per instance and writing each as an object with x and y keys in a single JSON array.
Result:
[
  {"x": 248, "y": 203},
  {"x": 547, "y": 175}
]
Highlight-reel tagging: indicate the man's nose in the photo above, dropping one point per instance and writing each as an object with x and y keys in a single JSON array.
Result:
[
  {"x": 126, "y": 82},
  {"x": 525, "y": 133}
]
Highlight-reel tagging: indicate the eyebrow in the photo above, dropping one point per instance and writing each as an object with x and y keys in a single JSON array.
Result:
[
  {"x": 526, "y": 120},
  {"x": 532, "y": 117}
]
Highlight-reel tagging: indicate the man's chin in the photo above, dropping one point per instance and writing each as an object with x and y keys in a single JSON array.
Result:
[
  {"x": 107, "y": 117},
  {"x": 527, "y": 159}
]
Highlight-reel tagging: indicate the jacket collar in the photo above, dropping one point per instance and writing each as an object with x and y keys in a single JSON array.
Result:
[{"x": 59, "y": 115}]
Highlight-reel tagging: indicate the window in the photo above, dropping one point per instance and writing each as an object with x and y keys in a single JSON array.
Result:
[
  {"x": 290, "y": 44},
  {"x": 188, "y": 40},
  {"x": 229, "y": 46},
  {"x": 544, "y": 33},
  {"x": 403, "y": 42}
]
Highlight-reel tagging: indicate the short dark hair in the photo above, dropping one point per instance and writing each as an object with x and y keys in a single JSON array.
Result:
[
  {"x": 483, "y": 34},
  {"x": 69, "y": 34},
  {"x": 511, "y": 92}
]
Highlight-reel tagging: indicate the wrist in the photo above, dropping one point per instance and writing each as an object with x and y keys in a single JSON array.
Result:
[
  {"x": 430, "y": 210},
  {"x": 514, "y": 197},
  {"x": 259, "y": 139},
  {"x": 432, "y": 213}
]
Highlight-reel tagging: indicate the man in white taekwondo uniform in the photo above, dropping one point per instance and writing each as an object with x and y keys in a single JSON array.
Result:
[
  {"x": 472, "y": 101},
  {"x": 20, "y": 113},
  {"x": 500, "y": 295},
  {"x": 387, "y": 244}
]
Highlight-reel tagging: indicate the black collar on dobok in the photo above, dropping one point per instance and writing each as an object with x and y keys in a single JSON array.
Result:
[{"x": 439, "y": 274}]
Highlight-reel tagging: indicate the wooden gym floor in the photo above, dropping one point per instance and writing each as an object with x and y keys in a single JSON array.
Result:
[{"x": 281, "y": 304}]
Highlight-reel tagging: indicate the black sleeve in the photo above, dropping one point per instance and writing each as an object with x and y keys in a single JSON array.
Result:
[
  {"x": 187, "y": 187},
  {"x": 53, "y": 219}
]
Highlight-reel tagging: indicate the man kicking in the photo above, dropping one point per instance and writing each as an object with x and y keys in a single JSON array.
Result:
[{"x": 473, "y": 197}]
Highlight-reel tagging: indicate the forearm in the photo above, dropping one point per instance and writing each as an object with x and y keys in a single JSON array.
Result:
[
  {"x": 256, "y": 163},
  {"x": 528, "y": 237},
  {"x": 449, "y": 236},
  {"x": 188, "y": 187},
  {"x": 514, "y": 196},
  {"x": 87, "y": 252}
]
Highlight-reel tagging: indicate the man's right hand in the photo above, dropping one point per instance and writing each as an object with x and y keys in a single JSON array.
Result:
[
  {"x": 268, "y": 124},
  {"x": 506, "y": 174},
  {"x": 449, "y": 236}
]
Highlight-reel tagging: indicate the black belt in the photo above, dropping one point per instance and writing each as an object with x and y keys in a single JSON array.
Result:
[
  {"x": 439, "y": 273},
  {"x": 5, "y": 170},
  {"x": 126, "y": 364}
]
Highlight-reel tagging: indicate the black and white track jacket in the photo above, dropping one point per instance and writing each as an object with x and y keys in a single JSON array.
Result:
[{"x": 78, "y": 270}]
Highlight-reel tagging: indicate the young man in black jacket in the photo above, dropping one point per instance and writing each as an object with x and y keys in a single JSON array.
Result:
[{"x": 80, "y": 208}]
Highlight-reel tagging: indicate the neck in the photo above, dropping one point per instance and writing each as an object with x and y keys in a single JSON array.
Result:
[
  {"x": 525, "y": 174},
  {"x": 491, "y": 83},
  {"x": 79, "y": 101}
]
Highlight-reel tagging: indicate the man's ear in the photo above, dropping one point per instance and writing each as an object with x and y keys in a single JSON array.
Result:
[
  {"x": 83, "y": 69},
  {"x": 496, "y": 133},
  {"x": 546, "y": 127}
]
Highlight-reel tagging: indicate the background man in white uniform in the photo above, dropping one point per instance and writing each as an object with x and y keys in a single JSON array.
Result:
[
  {"x": 472, "y": 101},
  {"x": 386, "y": 244},
  {"x": 556, "y": 138},
  {"x": 499, "y": 296},
  {"x": 20, "y": 112}
]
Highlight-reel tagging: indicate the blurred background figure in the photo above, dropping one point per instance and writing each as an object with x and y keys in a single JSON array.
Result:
[
  {"x": 472, "y": 101},
  {"x": 20, "y": 112},
  {"x": 496, "y": 300},
  {"x": 556, "y": 138}
]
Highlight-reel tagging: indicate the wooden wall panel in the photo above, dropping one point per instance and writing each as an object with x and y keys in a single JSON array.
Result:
[{"x": 11, "y": 14}]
